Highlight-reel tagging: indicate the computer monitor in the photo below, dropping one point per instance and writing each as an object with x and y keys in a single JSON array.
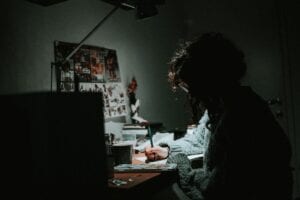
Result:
[{"x": 54, "y": 146}]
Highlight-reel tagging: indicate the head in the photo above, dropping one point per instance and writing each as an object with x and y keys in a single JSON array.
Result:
[{"x": 207, "y": 66}]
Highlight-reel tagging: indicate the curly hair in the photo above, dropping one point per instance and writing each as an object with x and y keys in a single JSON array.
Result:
[
  {"x": 215, "y": 56},
  {"x": 207, "y": 64}
]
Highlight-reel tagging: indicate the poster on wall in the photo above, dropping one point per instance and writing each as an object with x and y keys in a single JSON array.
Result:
[{"x": 91, "y": 69}]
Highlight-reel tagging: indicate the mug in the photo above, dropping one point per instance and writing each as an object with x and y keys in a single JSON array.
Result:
[{"x": 122, "y": 153}]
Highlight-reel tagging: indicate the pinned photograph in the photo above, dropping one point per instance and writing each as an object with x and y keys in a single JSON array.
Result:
[
  {"x": 92, "y": 69},
  {"x": 112, "y": 67}
]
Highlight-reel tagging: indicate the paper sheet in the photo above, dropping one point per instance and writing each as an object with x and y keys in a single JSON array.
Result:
[{"x": 157, "y": 139}]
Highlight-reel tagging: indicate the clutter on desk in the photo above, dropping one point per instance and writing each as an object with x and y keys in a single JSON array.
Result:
[
  {"x": 134, "y": 126},
  {"x": 110, "y": 160},
  {"x": 142, "y": 128},
  {"x": 109, "y": 138},
  {"x": 122, "y": 153},
  {"x": 118, "y": 182},
  {"x": 134, "y": 132},
  {"x": 134, "y": 129},
  {"x": 114, "y": 128},
  {"x": 140, "y": 132}
]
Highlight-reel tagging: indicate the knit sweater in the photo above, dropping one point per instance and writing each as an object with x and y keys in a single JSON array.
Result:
[
  {"x": 248, "y": 156},
  {"x": 194, "y": 143}
]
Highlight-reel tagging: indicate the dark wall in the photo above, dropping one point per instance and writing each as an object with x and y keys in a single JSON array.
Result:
[
  {"x": 143, "y": 48},
  {"x": 253, "y": 26}
]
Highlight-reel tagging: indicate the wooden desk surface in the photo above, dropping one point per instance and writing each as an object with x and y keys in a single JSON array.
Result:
[
  {"x": 132, "y": 179},
  {"x": 140, "y": 185}
]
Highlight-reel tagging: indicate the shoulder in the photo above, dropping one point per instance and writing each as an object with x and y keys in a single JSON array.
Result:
[
  {"x": 252, "y": 98},
  {"x": 246, "y": 104}
]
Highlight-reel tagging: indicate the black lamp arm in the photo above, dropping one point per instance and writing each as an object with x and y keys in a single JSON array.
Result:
[
  {"x": 92, "y": 31},
  {"x": 61, "y": 63}
]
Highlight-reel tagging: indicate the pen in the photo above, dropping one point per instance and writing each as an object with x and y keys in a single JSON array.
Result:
[{"x": 150, "y": 134}]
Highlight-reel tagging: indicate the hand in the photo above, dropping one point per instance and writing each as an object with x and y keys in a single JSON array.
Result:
[{"x": 156, "y": 153}]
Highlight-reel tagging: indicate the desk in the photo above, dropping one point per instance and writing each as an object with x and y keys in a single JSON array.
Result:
[
  {"x": 143, "y": 185},
  {"x": 147, "y": 185}
]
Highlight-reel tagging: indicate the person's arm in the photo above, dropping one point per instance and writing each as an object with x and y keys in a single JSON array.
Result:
[
  {"x": 206, "y": 181},
  {"x": 192, "y": 143},
  {"x": 225, "y": 159},
  {"x": 188, "y": 145},
  {"x": 198, "y": 183},
  {"x": 187, "y": 176}
]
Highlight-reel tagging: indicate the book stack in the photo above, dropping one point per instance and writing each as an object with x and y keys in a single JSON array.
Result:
[
  {"x": 135, "y": 133},
  {"x": 134, "y": 126},
  {"x": 135, "y": 129}
]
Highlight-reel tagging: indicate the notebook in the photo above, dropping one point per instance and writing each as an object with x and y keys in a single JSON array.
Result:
[{"x": 149, "y": 167}]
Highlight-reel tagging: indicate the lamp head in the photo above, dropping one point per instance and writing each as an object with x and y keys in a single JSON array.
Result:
[
  {"x": 46, "y": 2},
  {"x": 144, "y": 8},
  {"x": 124, "y": 4}
]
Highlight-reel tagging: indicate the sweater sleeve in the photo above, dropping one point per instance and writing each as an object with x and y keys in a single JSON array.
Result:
[
  {"x": 208, "y": 181},
  {"x": 188, "y": 145},
  {"x": 187, "y": 176},
  {"x": 192, "y": 143},
  {"x": 226, "y": 158}
]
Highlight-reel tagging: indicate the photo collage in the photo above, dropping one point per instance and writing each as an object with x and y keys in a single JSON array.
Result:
[{"x": 91, "y": 69}]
